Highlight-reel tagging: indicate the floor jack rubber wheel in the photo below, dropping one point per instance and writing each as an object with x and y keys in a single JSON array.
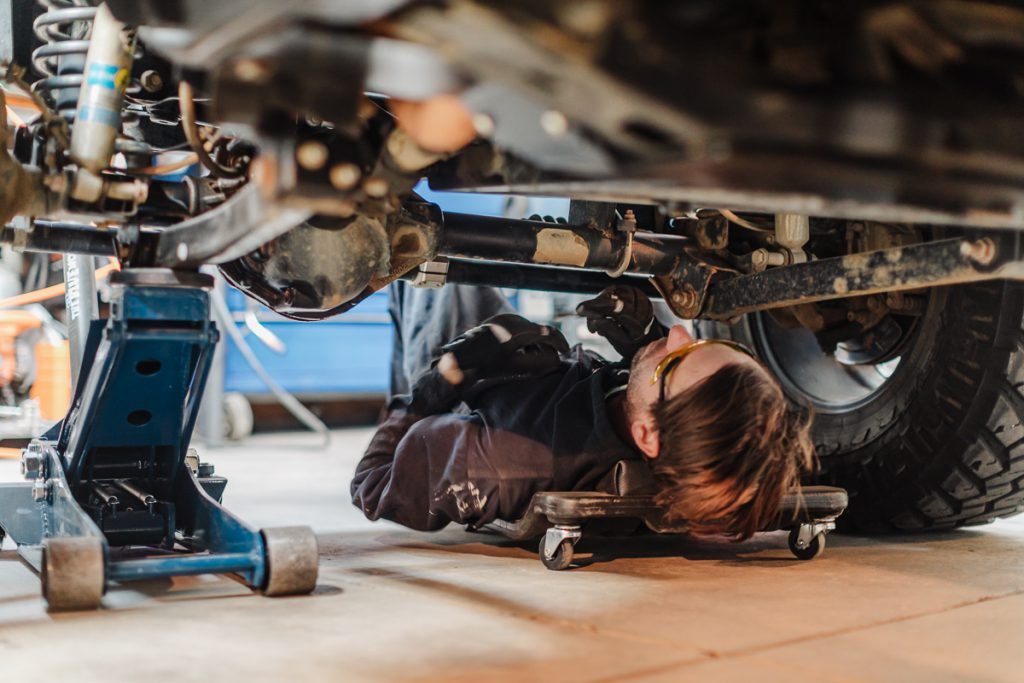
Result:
[
  {"x": 812, "y": 550},
  {"x": 562, "y": 557},
  {"x": 73, "y": 574},
  {"x": 292, "y": 560}
]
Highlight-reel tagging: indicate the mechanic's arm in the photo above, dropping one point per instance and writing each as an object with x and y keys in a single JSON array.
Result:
[
  {"x": 409, "y": 469},
  {"x": 416, "y": 469}
]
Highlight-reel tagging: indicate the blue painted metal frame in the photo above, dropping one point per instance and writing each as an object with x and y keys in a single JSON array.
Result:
[{"x": 131, "y": 418}]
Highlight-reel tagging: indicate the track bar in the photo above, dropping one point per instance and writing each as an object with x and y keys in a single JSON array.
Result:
[{"x": 931, "y": 264}]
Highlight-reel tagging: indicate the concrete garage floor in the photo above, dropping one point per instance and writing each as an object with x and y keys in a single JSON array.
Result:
[{"x": 395, "y": 605}]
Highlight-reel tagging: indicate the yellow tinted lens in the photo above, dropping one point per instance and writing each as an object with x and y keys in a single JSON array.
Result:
[{"x": 677, "y": 356}]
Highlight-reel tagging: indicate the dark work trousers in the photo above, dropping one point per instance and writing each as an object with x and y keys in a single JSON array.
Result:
[{"x": 427, "y": 319}]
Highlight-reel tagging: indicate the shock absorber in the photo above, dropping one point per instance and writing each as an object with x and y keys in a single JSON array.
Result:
[
  {"x": 108, "y": 66},
  {"x": 64, "y": 30}
]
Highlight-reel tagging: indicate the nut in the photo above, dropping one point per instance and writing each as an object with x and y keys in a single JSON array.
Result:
[
  {"x": 685, "y": 298},
  {"x": 982, "y": 251},
  {"x": 151, "y": 81},
  {"x": 41, "y": 490}
]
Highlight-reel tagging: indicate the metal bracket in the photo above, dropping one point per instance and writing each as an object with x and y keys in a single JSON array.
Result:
[
  {"x": 686, "y": 290},
  {"x": 558, "y": 533},
  {"x": 431, "y": 275},
  {"x": 807, "y": 532}
]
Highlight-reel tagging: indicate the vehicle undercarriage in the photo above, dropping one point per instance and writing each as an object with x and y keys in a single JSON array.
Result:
[{"x": 841, "y": 185}]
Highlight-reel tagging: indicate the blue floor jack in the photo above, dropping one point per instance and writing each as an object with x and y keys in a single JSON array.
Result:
[{"x": 116, "y": 477}]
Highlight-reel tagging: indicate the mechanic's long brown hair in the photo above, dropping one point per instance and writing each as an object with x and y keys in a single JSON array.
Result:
[{"x": 730, "y": 448}]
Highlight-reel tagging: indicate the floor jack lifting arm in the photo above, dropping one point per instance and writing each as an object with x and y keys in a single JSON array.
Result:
[{"x": 118, "y": 472}]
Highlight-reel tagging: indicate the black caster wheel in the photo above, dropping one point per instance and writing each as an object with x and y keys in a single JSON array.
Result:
[
  {"x": 73, "y": 575},
  {"x": 811, "y": 550},
  {"x": 293, "y": 560},
  {"x": 562, "y": 557}
]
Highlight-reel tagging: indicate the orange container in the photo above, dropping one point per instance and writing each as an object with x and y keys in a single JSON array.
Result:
[{"x": 52, "y": 388}]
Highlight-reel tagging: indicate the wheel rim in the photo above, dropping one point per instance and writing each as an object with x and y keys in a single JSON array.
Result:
[{"x": 833, "y": 382}]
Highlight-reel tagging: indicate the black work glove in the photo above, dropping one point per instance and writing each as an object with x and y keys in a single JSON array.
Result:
[
  {"x": 431, "y": 394},
  {"x": 503, "y": 347},
  {"x": 624, "y": 316}
]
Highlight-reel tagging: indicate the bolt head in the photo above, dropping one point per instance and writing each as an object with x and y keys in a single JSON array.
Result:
[
  {"x": 251, "y": 70},
  {"x": 554, "y": 123},
  {"x": 483, "y": 124},
  {"x": 345, "y": 176},
  {"x": 585, "y": 18},
  {"x": 376, "y": 187},
  {"x": 192, "y": 460},
  {"x": 31, "y": 463},
  {"x": 311, "y": 155}
]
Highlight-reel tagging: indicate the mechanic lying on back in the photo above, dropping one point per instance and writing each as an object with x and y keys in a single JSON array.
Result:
[{"x": 509, "y": 411}]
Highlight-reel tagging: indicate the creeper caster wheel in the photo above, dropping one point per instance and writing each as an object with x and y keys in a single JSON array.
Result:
[
  {"x": 560, "y": 559},
  {"x": 73, "y": 575},
  {"x": 292, "y": 560},
  {"x": 806, "y": 542},
  {"x": 556, "y": 547}
]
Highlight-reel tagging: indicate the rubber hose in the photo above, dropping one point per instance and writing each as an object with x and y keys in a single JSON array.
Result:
[{"x": 292, "y": 404}]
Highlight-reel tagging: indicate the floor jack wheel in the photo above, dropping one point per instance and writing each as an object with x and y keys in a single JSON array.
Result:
[
  {"x": 73, "y": 573},
  {"x": 292, "y": 560},
  {"x": 807, "y": 549},
  {"x": 561, "y": 558}
]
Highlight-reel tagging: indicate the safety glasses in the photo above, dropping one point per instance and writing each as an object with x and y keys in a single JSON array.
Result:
[{"x": 669, "y": 362}]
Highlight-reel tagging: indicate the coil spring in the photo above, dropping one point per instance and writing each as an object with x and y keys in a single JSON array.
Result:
[{"x": 64, "y": 30}]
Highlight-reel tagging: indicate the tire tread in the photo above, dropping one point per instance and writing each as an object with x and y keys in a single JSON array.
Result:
[{"x": 948, "y": 448}]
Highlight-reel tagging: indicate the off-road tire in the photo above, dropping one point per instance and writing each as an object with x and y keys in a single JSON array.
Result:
[{"x": 941, "y": 444}]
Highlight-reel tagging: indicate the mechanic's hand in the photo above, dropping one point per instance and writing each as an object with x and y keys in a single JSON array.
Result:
[
  {"x": 624, "y": 316},
  {"x": 504, "y": 345},
  {"x": 431, "y": 394}
]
